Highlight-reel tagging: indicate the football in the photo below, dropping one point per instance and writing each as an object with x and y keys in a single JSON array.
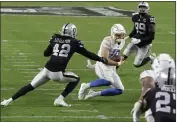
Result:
[{"x": 116, "y": 58}]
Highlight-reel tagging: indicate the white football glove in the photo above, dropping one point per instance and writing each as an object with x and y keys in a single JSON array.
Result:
[
  {"x": 136, "y": 112},
  {"x": 89, "y": 65},
  {"x": 127, "y": 37},
  {"x": 136, "y": 41}
]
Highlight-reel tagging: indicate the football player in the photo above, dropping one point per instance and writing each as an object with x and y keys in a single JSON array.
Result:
[
  {"x": 141, "y": 36},
  {"x": 61, "y": 48},
  {"x": 162, "y": 73},
  {"x": 110, "y": 47}
]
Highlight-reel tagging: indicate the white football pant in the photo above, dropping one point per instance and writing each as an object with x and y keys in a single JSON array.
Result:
[
  {"x": 45, "y": 75},
  {"x": 109, "y": 73},
  {"x": 141, "y": 53}
]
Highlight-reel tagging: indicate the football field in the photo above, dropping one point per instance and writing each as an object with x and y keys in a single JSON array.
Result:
[{"x": 24, "y": 38}]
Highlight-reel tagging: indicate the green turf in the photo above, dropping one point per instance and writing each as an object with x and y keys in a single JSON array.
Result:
[{"x": 37, "y": 30}]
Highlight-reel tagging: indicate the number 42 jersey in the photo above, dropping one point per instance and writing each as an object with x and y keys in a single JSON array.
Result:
[{"x": 60, "y": 50}]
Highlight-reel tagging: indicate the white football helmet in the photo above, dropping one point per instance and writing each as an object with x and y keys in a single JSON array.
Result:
[
  {"x": 143, "y": 7},
  {"x": 69, "y": 29},
  {"x": 118, "y": 33},
  {"x": 164, "y": 69}
]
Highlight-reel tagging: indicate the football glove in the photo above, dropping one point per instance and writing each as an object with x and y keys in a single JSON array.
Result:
[
  {"x": 136, "y": 112},
  {"x": 90, "y": 65},
  {"x": 104, "y": 60},
  {"x": 127, "y": 37},
  {"x": 136, "y": 41}
]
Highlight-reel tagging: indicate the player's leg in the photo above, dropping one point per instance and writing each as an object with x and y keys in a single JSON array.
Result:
[
  {"x": 117, "y": 88},
  {"x": 141, "y": 56},
  {"x": 104, "y": 80},
  {"x": 128, "y": 50},
  {"x": 38, "y": 80},
  {"x": 73, "y": 80}
]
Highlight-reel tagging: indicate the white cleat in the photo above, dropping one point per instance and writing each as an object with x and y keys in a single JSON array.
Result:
[
  {"x": 61, "y": 103},
  {"x": 82, "y": 91},
  {"x": 5, "y": 103},
  {"x": 90, "y": 94}
]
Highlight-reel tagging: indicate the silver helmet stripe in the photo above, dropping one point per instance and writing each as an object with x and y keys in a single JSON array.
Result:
[
  {"x": 65, "y": 28},
  {"x": 169, "y": 72}
]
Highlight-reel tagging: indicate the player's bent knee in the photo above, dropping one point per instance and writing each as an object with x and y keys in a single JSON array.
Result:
[
  {"x": 136, "y": 65},
  {"x": 119, "y": 91}
]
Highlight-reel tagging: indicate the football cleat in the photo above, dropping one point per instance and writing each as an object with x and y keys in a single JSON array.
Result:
[
  {"x": 61, "y": 103},
  {"x": 90, "y": 94},
  {"x": 5, "y": 103},
  {"x": 82, "y": 91}
]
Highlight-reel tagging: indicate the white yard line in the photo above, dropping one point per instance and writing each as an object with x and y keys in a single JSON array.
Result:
[
  {"x": 32, "y": 65},
  {"x": 73, "y": 117},
  {"x": 48, "y": 89},
  {"x": 41, "y": 41},
  {"x": 90, "y": 111}
]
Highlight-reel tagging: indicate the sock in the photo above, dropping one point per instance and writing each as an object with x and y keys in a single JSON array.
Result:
[
  {"x": 111, "y": 92},
  {"x": 94, "y": 94},
  {"x": 99, "y": 82},
  {"x": 145, "y": 61},
  {"x": 69, "y": 88},
  {"x": 61, "y": 97},
  {"x": 10, "y": 99},
  {"x": 23, "y": 91}
]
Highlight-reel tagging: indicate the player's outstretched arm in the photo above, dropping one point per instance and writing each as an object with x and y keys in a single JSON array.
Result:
[
  {"x": 48, "y": 51},
  {"x": 91, "y": 55}
]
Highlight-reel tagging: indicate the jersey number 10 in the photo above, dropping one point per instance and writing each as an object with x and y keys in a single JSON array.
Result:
[{"x": 65, "y": 48}]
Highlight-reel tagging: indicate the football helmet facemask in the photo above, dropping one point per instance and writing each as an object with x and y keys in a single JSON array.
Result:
[
  {"x": 118, "y": 33},
  {"x": 143, "y": 8}
]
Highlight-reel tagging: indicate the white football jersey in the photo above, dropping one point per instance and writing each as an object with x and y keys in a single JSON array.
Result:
[{"x": 109, "y": 43}]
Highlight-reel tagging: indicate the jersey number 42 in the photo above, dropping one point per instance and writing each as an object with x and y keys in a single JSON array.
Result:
[{"x": 63, "y": 52}]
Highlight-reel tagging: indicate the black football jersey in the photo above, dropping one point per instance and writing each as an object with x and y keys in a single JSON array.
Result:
[
  {"x": 61, "y": 49},
  {"x": 141, "y": 26},
  {"x": 162, "y": 104}
]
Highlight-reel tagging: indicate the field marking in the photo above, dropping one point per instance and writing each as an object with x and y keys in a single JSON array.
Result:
[
  {"x": 173, "y": 33},
  {"x": 40, "y": 41},
  {"x": 23, "y": 62},
  {"x": 84, "y": 69},
  {"x": 17, "y": 59},
  {"x": 32, "y": 65},
  {"x": 90, "y": 111},
  {"x": 45, "y": 89},
  {"x": 73, "y": 117},
  {"x": 29, "y": 72}
]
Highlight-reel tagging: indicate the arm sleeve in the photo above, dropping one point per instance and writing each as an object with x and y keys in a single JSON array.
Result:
[
  {"x": 48, "y": 51},
  {"x": 81, "y": 50},
  {"x": 133, "y": 31}
]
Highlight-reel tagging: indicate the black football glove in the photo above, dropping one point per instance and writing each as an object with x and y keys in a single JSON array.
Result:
[{"x": 103, "y": 60}]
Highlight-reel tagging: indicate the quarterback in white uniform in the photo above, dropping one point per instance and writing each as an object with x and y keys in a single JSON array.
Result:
[
  {"x": 148, "y": 79},
  {"x": 110, "y": 47}
]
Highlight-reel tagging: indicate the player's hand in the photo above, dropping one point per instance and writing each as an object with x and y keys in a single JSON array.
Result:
[
  {"x": 136, "y": 41},
  {"x": 136, "y": 111},
  {"x": 120, "y": 62},
  {"x": 89, "y": 65},
  {"x": 127, "y": 37},
  {"x": 104, "y": 60}
]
